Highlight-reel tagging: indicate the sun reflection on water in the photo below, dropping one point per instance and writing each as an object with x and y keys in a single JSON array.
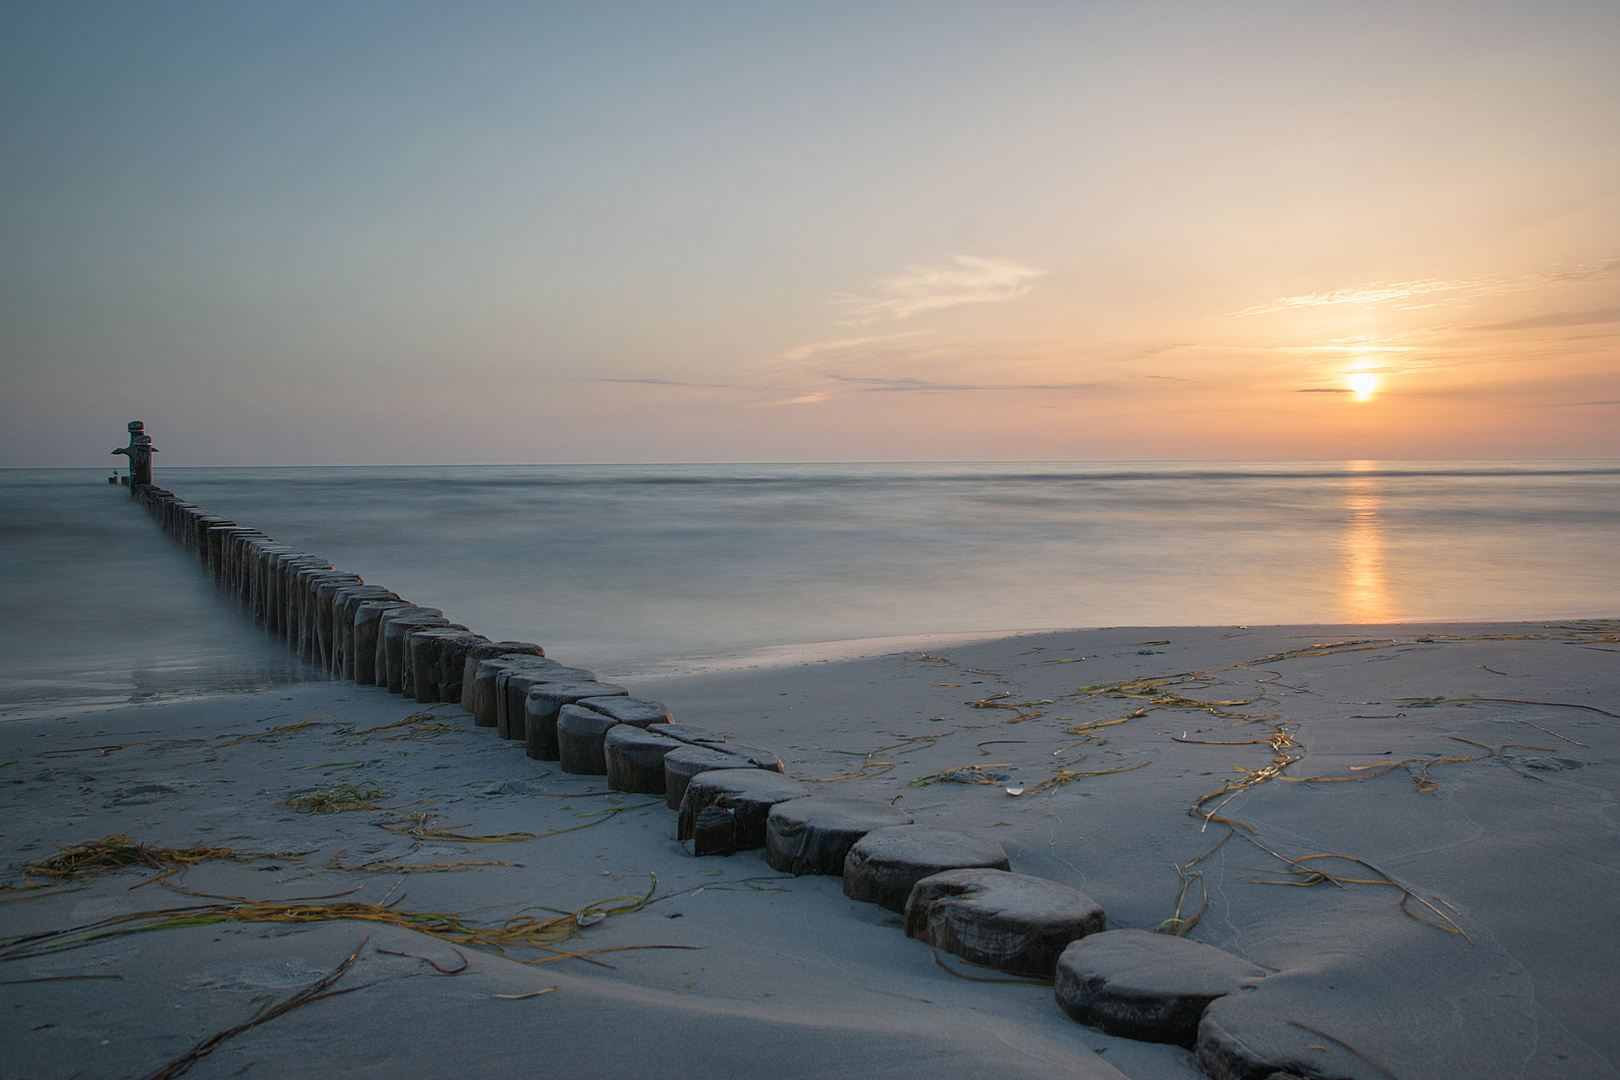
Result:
[{"x": 1362, "y": 586}]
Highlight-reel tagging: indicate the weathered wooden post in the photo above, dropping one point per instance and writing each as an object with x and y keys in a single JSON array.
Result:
[{"x": 139, "y": 451}]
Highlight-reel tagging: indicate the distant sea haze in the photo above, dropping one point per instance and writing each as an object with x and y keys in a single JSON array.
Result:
[{"x": 626, "y": 568}]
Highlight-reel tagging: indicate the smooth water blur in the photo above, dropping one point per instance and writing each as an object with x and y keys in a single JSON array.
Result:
[
  {"x": 101, "y": 608},
  {"x": 630, "y": 567}
]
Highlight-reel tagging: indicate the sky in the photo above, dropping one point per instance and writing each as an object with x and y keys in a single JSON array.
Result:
[{"x": 357, "y": 233}]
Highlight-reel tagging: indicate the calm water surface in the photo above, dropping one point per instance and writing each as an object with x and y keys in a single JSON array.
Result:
[{"x": 629, "y": 567}]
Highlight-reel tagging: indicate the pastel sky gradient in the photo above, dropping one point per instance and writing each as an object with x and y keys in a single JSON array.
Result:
[{"x": 302, "y": 233}]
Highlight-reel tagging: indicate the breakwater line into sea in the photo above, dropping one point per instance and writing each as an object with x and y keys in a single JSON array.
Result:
[{"x": 955, "y": 889}]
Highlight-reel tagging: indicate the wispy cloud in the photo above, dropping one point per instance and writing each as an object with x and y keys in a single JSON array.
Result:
[
  {"x": 966, "y": 279},
  {"x": 924, "y": 386},
  {"x": 806, "y": 399},
  {"x": 670, "y": 382},
  {"x": 1559, "y": 318},
  {"x": 1400, "y": 292},
  {"x": 1382, "y": 293},
  {"x": 1582, "y": 272},
  {"x": 839, "y": 349}
]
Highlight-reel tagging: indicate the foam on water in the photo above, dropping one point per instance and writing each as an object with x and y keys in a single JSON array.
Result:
[{"x": 631, "y": 568}]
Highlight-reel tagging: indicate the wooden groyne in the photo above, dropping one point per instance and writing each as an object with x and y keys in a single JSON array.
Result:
[{"x": 956, "y": 889}]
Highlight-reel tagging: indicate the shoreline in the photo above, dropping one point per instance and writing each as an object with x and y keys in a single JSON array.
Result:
[
  {"x": 829, "y": 979},
  {"x": 768, "y": 657}
]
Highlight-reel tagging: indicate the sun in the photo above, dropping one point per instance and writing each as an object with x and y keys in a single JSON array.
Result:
[{"x": 1363, "y": 384}]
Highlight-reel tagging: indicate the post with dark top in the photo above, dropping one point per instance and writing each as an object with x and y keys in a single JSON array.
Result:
[{"x": 139, "y": 451}]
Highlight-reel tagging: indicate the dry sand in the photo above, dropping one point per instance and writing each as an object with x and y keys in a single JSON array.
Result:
[{"x": 1511, "y": 861}]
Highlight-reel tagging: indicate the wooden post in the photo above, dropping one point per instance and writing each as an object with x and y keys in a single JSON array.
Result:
[{"x": 139, "y": 451}]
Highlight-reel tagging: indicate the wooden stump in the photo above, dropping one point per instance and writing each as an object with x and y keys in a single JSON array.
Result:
[
  {"x": 391, "y": 643},
  {"x": 748, "y": 793},
  {"x": 346, "y": 606},
  {"x": 512, "y": 692},
  {"x": 450, "y": 653},
  {"x": 884, "y": 864},
  {"x": 1010, "y": 922},
  {"x": 580, "y": 732},
  {"x": 635, "y": 758},
  {"x": 476, "y": 656},
  {"x": 716, "y": 832},
  {"x": 683, "y": 764},
  {"x": 488, "y": 693},
  {"x": 692, "y": 736},
  {"x": 637, "y": 712},
  {"x": 814, "y": 834},
  {"x": 541, "y": 706},
  {"x": 1254, "y": 1031},
  {"x": 425, "y": 647},
  {"x": 1149, "y": 987}
]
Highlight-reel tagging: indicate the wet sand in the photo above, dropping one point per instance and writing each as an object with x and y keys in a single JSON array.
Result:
[{"x": 1500, "y": 964}]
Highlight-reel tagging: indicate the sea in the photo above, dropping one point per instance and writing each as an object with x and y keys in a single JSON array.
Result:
[{"x": 640, "y": 569}]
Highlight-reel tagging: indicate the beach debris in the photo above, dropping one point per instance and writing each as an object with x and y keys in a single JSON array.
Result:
[
  {"x": 542, "y": 935},
  {"x": 416, "y": 727},
  {"x": 1025, "y": 710},
  {"x": 1000, "y": 742},
  {"x": 1427, "y": 702},
  {"x": 324, "y": 720},
  {"x": 391, "y": 864},
  {"x": 874, "y": 767},
  {"x": 871, "y": 767},
  {"x": 525, "y": 997},
  {"x": 442, "y": 970},
  {"x": 1069, "y": 776},
  {"x": 813, "y": 835},
  {"x": 1178, "y": 925},
  {"x": 118, "y": 852},
  {"x": 1554, "y": 734},
  {"x": 1325, "y": 649},
  {"x": 966, "y": 774},
  {"x": 316, "y": 991},
  {"x": 884, "y": 864},
  {"x": 103, "y": 751},
  {"x": 1422, "y": 782},
  {"x": 419, "y": 825},
  {"x": 1281, "y": 741},
  {"x": 1302, "y": 876},
  {"x": 748, "y": 794},
  {"x": 925, "y": 658},
  {"x": 1011, "y": 922},
  {"x": 364, "y": 795},
  {"x": 1592, "y": 631},
  {"x": 1146, "y": 986}
]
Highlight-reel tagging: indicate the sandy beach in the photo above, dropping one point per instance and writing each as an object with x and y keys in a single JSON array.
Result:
[
  {"x": 809, "y": 542},
  {"x": 1344, "y": 741}
]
